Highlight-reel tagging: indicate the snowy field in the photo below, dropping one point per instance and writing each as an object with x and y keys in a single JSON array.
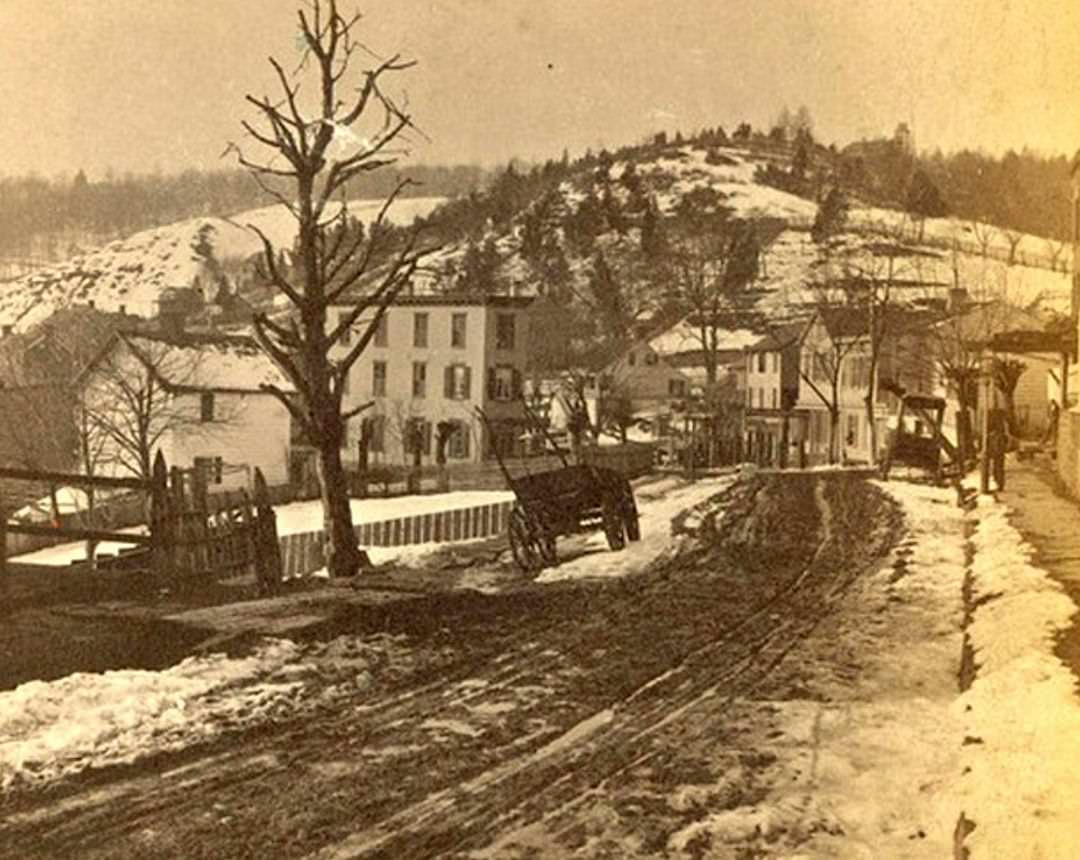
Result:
[{"x": 297, "y": 518}]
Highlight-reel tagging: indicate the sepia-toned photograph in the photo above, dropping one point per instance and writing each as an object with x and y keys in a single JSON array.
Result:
[{"x": 528, "y": 429}]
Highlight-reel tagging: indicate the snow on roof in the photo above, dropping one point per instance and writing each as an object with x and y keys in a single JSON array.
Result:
[
  {"x": 209, "y": 362},
  {"x": 685, "y": 337}
]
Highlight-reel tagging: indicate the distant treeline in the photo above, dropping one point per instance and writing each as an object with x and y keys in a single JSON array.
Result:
[
  {"x": 49, "y": 218},
  {"x": 1023, "y": 191}
]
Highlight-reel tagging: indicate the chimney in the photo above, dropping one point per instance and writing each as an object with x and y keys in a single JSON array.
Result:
[{"x": 7, "y": 329}]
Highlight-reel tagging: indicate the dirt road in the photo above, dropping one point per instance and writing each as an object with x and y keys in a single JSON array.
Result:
[{"x": 562, "y": 720}]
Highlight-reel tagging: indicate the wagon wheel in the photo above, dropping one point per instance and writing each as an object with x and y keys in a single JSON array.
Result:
[
  {"x": 613, "y": 524},
  {"x": 523, "y": 543},
  {"x": 630, "y": 513},
  {"x": 545, "y": 545}
]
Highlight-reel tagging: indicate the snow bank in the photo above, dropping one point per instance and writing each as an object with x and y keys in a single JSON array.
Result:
[
  {"x": 63, "y": 554},
  {"x": 53, "y": 729},
  {"x": 56, "y": 729},
  {"x": 1021, "y": 783}
]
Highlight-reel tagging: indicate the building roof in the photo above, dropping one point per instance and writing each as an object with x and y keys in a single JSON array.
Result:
[
  {"x": 780, "y": 338},
  {"x": 197, "y": 361},
  {"x": 684, "y": 337},
  {"x": 54, "y": 350},
  {"x": 350, "y": 299}
]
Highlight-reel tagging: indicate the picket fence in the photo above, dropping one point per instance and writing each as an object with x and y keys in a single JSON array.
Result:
[{"x": 303, "y": 553}]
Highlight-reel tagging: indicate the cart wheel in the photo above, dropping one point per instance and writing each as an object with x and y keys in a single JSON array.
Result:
[
  {"x": 522, "y": 544},
  {"x": 630, "y": 514},
  {"x": 613, "y": 525},
  {"x": 545, "y": 545}
]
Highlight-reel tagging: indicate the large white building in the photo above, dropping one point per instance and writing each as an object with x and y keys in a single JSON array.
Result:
[{"x": 437, "y": 358}]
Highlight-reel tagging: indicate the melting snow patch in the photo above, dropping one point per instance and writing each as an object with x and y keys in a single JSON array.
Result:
[{"x": 54, "y": 729}]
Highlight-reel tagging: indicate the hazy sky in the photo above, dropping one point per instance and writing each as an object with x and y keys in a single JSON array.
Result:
[{"x": 159, "y": 84}]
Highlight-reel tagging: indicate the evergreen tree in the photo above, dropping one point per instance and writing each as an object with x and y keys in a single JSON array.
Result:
[
  {"x": 652, "y": 233},
  {"x": 924, "y": 200},
  {"x": 831, "y": 216}
]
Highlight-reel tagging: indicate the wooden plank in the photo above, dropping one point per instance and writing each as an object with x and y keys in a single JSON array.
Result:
[
  {"x": 76, "y": 533},
  {"x": 74, "y": 479}
]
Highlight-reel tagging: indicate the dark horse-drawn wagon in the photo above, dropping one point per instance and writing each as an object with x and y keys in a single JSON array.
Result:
[{"x": 565, "y": 501}]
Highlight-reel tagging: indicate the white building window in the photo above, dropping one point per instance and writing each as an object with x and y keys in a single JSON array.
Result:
[
  {"x": 505, "y": 334},
  {"x": 378, "y": 379},
  {"x": 504, "y": 382},
  {"x": 458, "y": 446},
  {"x": 457, "y": 384},
  {"x": 419, "y": 379},
  {"x": 458, "y": 328}
]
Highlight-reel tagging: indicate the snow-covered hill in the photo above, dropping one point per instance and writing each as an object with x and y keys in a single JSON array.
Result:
[
  {"x": 130, "y": 274},
  {"x": 939, "y": 254}
]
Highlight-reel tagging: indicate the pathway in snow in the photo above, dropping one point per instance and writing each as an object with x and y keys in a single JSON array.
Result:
[{"x": 1021, "y": 716}]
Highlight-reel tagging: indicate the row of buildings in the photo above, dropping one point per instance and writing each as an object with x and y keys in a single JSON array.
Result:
[
  {"x": 792, "y": 379},
  {"x": 438, "y": 359}
]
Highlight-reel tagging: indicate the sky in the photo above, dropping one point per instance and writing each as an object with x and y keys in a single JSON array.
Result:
[{"x": 159, "y": 85}]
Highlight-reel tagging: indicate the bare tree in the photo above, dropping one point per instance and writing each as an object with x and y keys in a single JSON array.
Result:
[
  {"x": 984, "y": 235},
  {"x": 1055, "y": 251},
  {"x": 351, "y": 131},
  {"x": 1007, "y": 373},
  {"x": 1013, "y": 237},
  {"x": 713, "y": 270}
]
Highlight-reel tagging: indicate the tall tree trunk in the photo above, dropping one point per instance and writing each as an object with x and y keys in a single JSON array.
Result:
[
  {"x": 342, "y": 558},
  {"x": 834, "y": 434}
]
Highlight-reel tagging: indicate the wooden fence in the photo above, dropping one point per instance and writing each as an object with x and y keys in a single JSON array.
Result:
[
  {"x": 194, "y": 538},
  {"x": 304, "y": 553}
]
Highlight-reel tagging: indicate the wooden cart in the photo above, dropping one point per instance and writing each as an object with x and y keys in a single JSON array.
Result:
[
  {"x": 565, "y": 501},
  {"x": 925, "y": 448}
]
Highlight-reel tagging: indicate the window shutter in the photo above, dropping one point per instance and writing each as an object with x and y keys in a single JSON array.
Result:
[
  {"x": 448, "y": 382},
  {"x": 468, "y": 383},
  {"x": 491, "y": 383},
  {"x": 516, "y": 384},
  {"x": 219, "y": 470},
  {"x": 463, "y": 430},
  {"x": 427, "y": 438}
]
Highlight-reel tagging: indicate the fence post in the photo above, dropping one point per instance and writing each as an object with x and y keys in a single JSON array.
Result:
[
  {"x": 268, "y": 570},
  {"x": 161, "y": 520},
  {"x": 3, "y": 542}
]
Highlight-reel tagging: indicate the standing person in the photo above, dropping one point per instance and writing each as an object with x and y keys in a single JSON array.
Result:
[
  {"x": 1050, "y": 437},
  {"x": 997, "y": 445}
]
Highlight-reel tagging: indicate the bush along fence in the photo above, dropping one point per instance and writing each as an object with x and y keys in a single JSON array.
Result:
[{"x": 303, "y": 554}]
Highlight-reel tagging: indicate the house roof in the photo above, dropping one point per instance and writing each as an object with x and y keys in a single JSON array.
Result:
[
  {"x": 351, "y": 298},
  {"x": 684, "y": 337},
  {"x": 780, "y": 338},
  {"x": 54, "y": 350},
  {"x": 980, "y": 322},
  {"x": 196, "y": 361}
]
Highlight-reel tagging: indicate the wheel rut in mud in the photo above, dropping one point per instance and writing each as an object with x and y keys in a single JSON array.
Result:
[{"x": 539, "y": 698}]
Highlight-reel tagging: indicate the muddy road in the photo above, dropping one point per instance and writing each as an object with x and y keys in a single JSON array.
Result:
[{"x": 565, "y": 720}]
